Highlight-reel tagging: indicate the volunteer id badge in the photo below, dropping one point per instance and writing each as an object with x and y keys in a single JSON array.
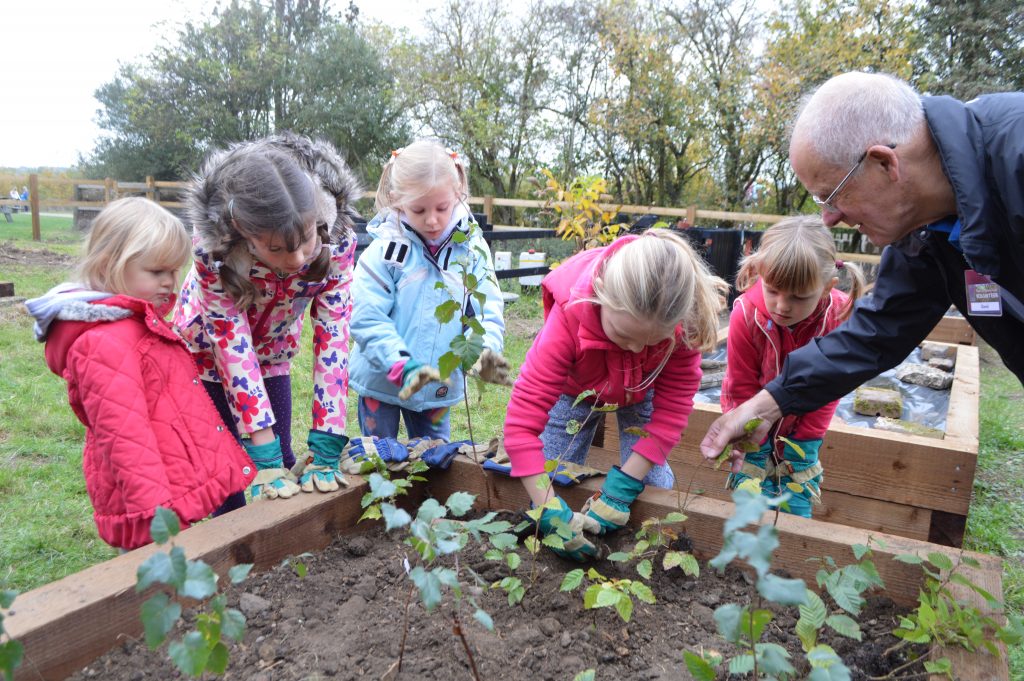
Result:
[{"x": 982, "y": 295}]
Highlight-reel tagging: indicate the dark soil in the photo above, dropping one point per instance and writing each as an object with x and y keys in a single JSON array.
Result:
[
  {"x": 344, "y": 620},
  {"x": 12, "y": 255}
]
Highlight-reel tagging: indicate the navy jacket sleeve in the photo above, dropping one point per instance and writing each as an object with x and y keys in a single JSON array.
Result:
[{"x": 909, "y": 299}]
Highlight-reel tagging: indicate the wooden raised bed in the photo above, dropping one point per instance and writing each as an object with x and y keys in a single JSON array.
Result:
[
  {"x": 953, "y": 329},
  {"x": 908, "y": 485},
  {"x": 67, "y": 624}
]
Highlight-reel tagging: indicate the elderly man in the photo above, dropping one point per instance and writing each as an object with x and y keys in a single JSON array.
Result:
[{"x": 939, "y": 181}]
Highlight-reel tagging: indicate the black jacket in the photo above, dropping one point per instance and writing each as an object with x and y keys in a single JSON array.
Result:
[{"x": 981, "y": 145}]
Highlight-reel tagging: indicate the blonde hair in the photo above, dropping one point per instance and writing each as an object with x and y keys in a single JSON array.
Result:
[
  {"x": 127, "y": 229},
  {"x": 798, "y": 254},
  {"x": 416, "y": 170},
  {"x": 658, "y": 277}
]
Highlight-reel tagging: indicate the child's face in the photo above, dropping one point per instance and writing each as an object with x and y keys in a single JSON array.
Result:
[
  {"x": 788, "y": 307},
  {"x": 429, "y": 214},
  {"x": 272, "y": 251},
  {"x": 630, "y": 333},
  {"x": 151, "y": 280}
]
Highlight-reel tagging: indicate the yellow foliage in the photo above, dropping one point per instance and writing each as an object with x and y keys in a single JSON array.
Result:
[{"x": 579, "y": 205}]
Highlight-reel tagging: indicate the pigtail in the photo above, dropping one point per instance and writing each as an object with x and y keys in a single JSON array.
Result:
[
  {"x": 749, "y": 271},
  {"x": 382, "y": 200},
  {"x": 858, "y": 286},
  {"x": 462, "y": 174}
]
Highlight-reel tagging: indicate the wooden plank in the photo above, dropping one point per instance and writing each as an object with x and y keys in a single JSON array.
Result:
[
  {"x": 953, "y": 329},
  {"x": 836, "y": 507},
  {"x": 964, "y": 396},
  {"x": 66, "y": 624},
  {"x": 903, "y": 469}
]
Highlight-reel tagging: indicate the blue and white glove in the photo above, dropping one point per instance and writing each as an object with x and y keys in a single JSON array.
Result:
[
  {"x": 565, "y": 474},
  {"x": 441, "y": 455},
  {"x": 272, "y": 480},
  {"x": 362, "y": 451},
  {"x": 562, "y": 521},
  {"x": 322, "y": 472},
  {"x": 610, "y": 507}
]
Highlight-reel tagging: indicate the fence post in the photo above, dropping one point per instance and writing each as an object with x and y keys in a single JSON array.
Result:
[
  {"x": 151, "y": 189},
  {"x": 691, "y": 215},
  {"x": 108, "y": 185},
  {"x": 33, "y": 200},
  {"x": 489, "y": 209}
]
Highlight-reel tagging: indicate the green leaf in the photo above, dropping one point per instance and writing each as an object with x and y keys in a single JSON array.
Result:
[
  {"x": 190, "y": 653},
  {"x": 728, "y": 619},
  {"x": 513, "y": 560},
  {"x": 572, "y": 580},
  {"x": 532, "y": 544},
  {"x": 624, "y": 606},
  {"x": 586, "y": 675},
  {"x": 467, "y": 349},
  {"x": 698, "y": 667},
  {"x": 860, "y": 550},
  {"x": 823, "y": 656},
  {"x": 158, "y": 617},
  {"x": 429, "y": 511},
  {"x": 644, "y": 568},
  {"x": 642, "y": 591},
  {"x": 493, "y": 554},
  {"x": 218, "y": 660},
  {"x": 164, "y": 525},
  {"x": 200, "y": 581},
  {"x": 572, "y": 426},
  {"x": 813, "y": 610},
  {"x": 908, "y": 558},
  {"x": 939, "y": 666},
  {"x": 584, "y": 395},
  {"x": 774, "y": 660},
  {"x": 233, "y": 624},
  {"x": 238, "y": 573},
  {"x": 503, "y": 541},
  {"x": 781, "y": 590},
  {"x": 619, "y": 557},
  {"x": 675, "y": 517},
  {"x": 460, "y": 503},
  {"x": 160, "y": 568},
  {"x": 844, "y": 625},
  {"x": 741, "y": 665},
  {"x": 483, "y": 618},
  {"x": 7, "y": 597},
  {"x": 11, "y": 655},
  {"x": 447, "y": 363},
  {"x": 446, "y": 311},
  {"x": 371, "y": 513},
  {"x": 940, "y": 560},
  {"x": 590, "y": 596},
  {"x": 428, "y": 585},
  {"x": 381, "y": 487},
  {"x": 394, "y": 516}
]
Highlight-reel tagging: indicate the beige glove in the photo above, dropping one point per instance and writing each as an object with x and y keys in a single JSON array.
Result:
[
  {"x": 492, "y": 368},
  {"x": 417, "y": 378}
]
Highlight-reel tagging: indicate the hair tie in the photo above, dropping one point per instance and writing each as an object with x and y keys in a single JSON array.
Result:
[
  {"x": 451, "y": 153},
  {"x": 839, "y": 264}
]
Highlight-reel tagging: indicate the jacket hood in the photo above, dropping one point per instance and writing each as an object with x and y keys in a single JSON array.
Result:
[
  {"x": 76, "y": 317},
  {"x": 389, "y": 224},
  {"x": 340, "y": 188},
  {"x": 64, "y": 301}
]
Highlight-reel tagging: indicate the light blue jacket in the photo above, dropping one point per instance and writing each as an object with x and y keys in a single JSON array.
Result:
[{"x": 394, "y": 298}]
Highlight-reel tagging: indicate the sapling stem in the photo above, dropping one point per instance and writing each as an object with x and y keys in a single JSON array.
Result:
[
  {"x": 405, "y": 626},
  {"x": 457, "y": 628}
]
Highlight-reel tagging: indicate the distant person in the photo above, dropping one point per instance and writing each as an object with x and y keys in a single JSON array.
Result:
[
  {"x": 152, "y": 437},
  {"x": 423, "y": 237},
  {"x": 24, "y": 193},
  {"x": 614, "y": 335},
  {"x": 937, "y": 180},
  {"x": 14, "y": 196},
  {"x": 272, "y": 223},
  {"x": 789, "y": 299}
]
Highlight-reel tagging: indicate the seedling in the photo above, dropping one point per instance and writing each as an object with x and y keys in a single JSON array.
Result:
[
  {"x": 203, "y": 648},
  {"x": 654, "y": 535},
  {"x": 605, "y": 592},
  {"x": 745, "y": 446},
  {"x": 297, "y": 564},
  {"x": 11, "y": 651}
]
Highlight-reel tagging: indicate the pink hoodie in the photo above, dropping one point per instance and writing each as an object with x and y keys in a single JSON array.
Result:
[{"x": 572, "y": 354}]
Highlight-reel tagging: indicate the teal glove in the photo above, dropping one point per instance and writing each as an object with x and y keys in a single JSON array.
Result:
[
  {"x": 322, "y": 472},
  {"x": 272, "y": 481},
  {"x": 610, "y": 508},
  {"x": 415, "y": 376},
  {"x": 562, "y": 521}
]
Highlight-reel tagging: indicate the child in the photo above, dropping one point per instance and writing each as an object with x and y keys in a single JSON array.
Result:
[
  {"x": 422, "y": 238},
  {"x": 624, "y": 325},
  {"x": 272, "y": 234},
  {"x": 152, "y": 437},
  {"x": 790, "y": 299}
]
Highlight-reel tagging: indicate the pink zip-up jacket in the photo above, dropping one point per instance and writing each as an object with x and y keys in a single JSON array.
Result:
[
  {"x": 757, "y": 348},
  {"x": 572, "y": 354}
]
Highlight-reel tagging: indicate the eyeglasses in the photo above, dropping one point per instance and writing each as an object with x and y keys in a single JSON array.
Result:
[{"x": 827, "y": 203}]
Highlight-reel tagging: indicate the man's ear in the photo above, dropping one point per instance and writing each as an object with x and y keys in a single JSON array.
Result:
[{"x": 886, "y": 157}]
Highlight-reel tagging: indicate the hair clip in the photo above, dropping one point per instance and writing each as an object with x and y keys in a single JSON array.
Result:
[
  {"x": 451, "y": 153},
  {"x": 839, "y": 264},
  {"x": 396, "y": 152}
]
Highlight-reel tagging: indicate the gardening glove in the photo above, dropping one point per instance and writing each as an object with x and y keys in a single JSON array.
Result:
[
  {"x": 440, "y": 456},
  {"x": 320, "y": 470},
  {"x": 610, "y": 507},
  {"x": 577, "y": 547},
  {"x": 359, "y": 454},
  {"x": 565, "y": 474},
  {"x": 415, "y": 376},
  {"x": 272, "y": 480},
  {"x": 491, "y": 367}
]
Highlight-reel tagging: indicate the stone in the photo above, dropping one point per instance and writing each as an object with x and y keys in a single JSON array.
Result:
[
  {"x": 251, "y": 604},
  {"x": 712, "y": 380},
  {"x": 712, "y": 365},
  {"x": 872, "y": 401},
  {"x": 359, "y": 546},
  {"x": 929, "y": 377},
  {"x": 930, "y": 349},
  {"x": 907, "y": 427},
  {"x": 549, "y": 626},
  {"x": 941, "y": 363}
]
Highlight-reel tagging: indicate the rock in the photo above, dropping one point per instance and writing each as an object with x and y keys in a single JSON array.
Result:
[
  {"x": 712, "y": 380},
  {"x": 549, "y": 626},
  {"x": 251, "y": 604},
  {"x": 931, "y": 350},
  {"x": 941, "y": 363},
  {"x": 366, "y": 587},
  {"x": 920, "y": 374},
  {"x": 566, "y": 639},
  {"x": 712, "y": 365},
  {"x": 359, "y": 546},
  {"x": 908, "y": 427},
  {"x": 871, "y": 401},
  {"x": 267, "y": 651},
  {"x": 709, "y": 598}
]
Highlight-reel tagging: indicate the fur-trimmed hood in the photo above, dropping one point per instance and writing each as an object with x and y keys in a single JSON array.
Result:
[
  {"x": 70, "y": 301},
  {"x": 320, "y": 159}
]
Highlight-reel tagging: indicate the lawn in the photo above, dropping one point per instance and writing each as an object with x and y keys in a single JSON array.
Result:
[{"x": 46, "y": 517}]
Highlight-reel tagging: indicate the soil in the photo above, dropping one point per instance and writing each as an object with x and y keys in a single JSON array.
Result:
[
  {"x": 11, "y": 254},
  {"x": 344, "y": 620}
]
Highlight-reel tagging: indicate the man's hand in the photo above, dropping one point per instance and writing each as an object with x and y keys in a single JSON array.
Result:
[{"x": 730, "y": 429}]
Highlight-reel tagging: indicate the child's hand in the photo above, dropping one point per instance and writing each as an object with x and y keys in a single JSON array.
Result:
[
  {"x": 558, "y": 519},
  {"x": 415, "y": 376},
  {"x": 610, "y": 508},
  {"x": 492, "y": 368}
]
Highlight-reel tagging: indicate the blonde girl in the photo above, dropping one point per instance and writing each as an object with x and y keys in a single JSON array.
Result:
[
  {"x": 152, "y": 438},
  {"x": 790, "y": 298},
  {"x": 424, "y": 238},
  {"x": 272, "y": 236},
  {"x": 624, "y": 325}
]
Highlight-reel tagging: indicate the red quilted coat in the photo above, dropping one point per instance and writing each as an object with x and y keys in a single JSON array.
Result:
[{"x": 153, "y": 437}]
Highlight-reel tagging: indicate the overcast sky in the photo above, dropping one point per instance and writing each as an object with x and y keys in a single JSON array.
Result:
[{"x": 63, "y": 50}]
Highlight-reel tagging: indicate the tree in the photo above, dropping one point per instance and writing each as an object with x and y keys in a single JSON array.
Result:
[{"x": 246, "y": 71}]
